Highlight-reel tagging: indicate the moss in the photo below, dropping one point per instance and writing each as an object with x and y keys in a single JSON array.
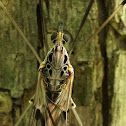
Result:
[
  {"x": 5, "y": 103},
  {"x": 82, "y": 90}
]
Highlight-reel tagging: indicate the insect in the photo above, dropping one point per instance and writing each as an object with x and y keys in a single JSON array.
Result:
[
  {"x": 54, "y": 87},
  {"x": 45, "y": 80}
]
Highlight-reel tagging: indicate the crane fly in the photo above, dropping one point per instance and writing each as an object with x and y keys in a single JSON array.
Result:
[
  {"x": 52, "y": 99},
  {"x": 55, "y": 78}
]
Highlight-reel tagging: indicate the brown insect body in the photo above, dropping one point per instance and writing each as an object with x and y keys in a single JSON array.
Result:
[{"x": 54, "y": 87}]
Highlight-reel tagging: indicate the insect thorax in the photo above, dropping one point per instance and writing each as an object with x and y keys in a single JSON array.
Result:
[{"x": 55, "y": 72}]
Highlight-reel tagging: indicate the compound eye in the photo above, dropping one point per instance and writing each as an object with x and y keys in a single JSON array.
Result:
[
  {"x": 65, "y": 37},
  {"x": 53, "y": 37}
]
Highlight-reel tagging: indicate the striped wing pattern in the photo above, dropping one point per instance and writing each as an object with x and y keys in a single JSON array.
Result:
[{"x": 54, "y": 87}]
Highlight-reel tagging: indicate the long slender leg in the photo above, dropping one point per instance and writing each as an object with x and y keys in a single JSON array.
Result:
[
  {"x": 30, "y": 46},
  {"x": 23, "y": 114},
  {"x": 82, "y": 24},
  {"x": 42, "y": 26},
  {"x": 20, "y": 31},
  {"x": 38, "y": 58},
  {"x": 100, "y": 28}
]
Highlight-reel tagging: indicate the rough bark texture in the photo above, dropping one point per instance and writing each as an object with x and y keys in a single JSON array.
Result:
[
  {"x": 117, "y": 88},
  {"x": 100, "y": 72}
]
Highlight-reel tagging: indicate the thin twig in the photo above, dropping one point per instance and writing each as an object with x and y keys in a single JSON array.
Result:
[
  {"x": 82, "y": 24},
  {"x": 100, "y": 28}
]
